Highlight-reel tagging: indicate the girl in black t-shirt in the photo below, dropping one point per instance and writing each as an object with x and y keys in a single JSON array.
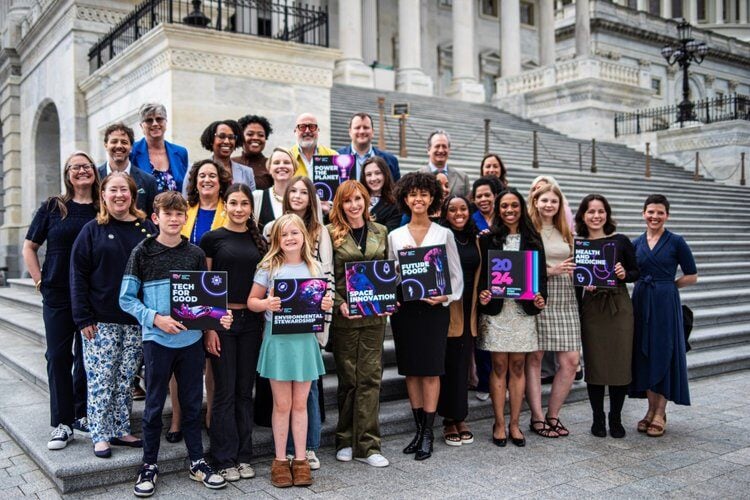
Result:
[{"x": 237, "y": 247}]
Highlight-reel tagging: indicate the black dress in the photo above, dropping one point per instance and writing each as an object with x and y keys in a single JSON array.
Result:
[{"x": 454, "y": 384}]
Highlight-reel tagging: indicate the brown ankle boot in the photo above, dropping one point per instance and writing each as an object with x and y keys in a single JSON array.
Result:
[
  {"x": 281, "y": 474},
  {"x": 301, "y": 473}
]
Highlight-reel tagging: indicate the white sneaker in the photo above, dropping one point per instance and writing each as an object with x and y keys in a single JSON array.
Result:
[
  {"x": 246, "y": 471},
  {"x": 230, "y": 474},
  {"x": 60, "y": 437},
  {"x": 313, "y": 460},
  {"x": 344, "y": 454},
  {"x": 482, "y": 396},
  {"x": 376, "y": 460}
]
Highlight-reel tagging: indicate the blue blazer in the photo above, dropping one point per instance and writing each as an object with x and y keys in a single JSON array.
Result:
[
  {"x": 177, "y": 155},
  {"x": 391, "y": 160},
  {"x": 145, "y": 183}
]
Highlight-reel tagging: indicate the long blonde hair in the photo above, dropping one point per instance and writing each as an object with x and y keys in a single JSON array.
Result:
[
  {"x": 275, "y": 257},
  {"x": 339, "y": 223},
  {"x": 559, "y": 220}
]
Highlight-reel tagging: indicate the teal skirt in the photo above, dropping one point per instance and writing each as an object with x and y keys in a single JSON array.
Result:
[{"x": 290, "y": 357}]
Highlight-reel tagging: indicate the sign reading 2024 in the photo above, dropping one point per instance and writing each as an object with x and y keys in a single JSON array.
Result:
[{"x": 513, "y": 275}]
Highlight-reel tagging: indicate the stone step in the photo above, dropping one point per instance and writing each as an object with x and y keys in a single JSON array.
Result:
[
  {"x": 727, "y": 257},
  {"x": 720, "y": 315},
  {"x": 704, "y": 338},
  {"x": 21, "y": 298},
  {"x": 732, "y": 294},
  {"x": 722, "y": 268}
]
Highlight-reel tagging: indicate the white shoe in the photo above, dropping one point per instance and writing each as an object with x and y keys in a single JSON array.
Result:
[
  {"x": 482, "y": 396},
  {"x": 246, "y": 471},
  {"x": 344, "y": 454},
  {"x": 230, "y": 474},
  {"x": 376, "y": 460},
  {"x": 313, "y": 460},
  {"x": 60, "y": 437}
]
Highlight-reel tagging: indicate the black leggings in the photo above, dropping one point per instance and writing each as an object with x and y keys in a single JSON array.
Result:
[{"x": 617, "y": 395}]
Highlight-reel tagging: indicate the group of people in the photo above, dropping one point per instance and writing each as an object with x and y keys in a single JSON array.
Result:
[{"x": 119, "y": 229}]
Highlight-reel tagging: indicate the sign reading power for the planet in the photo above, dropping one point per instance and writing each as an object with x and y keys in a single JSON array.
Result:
[
  {"x": 424, "y": 272},
  {"x": 595, "y": 263},
  {"x": 198, "y": 299},
  {"x": 513, "y": 275},
  {"x": 300, "y": 305},
  {"x": 328, "y": 172}
]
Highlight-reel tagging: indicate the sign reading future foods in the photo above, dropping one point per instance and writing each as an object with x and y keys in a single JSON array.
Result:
[
  {"x": 328, "y": 172},
  {"x": 513, "y": 275},
  {"x": 595, "y": 263},
  {"x": 301, "y": 300},
  {"x": 371, "y": 287},
  {"x": 198, "y": 299},
  {"x": 424, "y": 272}
]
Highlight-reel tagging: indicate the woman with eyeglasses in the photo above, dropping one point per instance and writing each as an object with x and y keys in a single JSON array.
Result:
[
  {"x": 167, "y": 162},
  {"x": 57, "y": 222}
]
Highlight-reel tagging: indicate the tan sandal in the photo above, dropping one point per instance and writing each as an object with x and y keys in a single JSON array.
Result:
[
  {"x": 657, "y": 426},
  {"x": 645, "y": 422}
]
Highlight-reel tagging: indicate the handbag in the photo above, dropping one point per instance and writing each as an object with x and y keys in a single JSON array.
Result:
[{"x": 687, "y": 325}]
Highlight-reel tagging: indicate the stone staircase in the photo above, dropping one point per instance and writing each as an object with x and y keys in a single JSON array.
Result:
[{"x": 713, "y": 218}]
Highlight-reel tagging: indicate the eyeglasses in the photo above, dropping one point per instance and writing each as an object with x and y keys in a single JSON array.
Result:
[
  {"x": 78, "y": 168},
  {"x": 154, "y": 119},
  {"x": 223, "y": 137},
  {"x": 312, "y": 127}
]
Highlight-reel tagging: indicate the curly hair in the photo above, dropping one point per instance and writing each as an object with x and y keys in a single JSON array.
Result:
[
  {"x": 252, "y": 225},
  {"x": 207, "y": 137},
  {"x": 339, "y": 223},
  {"x": 470, "y": 228},
  {"x": 581, "y": 228},
  {"x": 103, "y": 216},
  {"x": 494, "y": 183},
  {"x": 225, "y": 180},
  {"x": 260, "y": 120},
  {"x": 499, "y": 231},
  {"x": 418, "y": 181},
  {"x": 386, "y": 192},
  {"x": 503, "y": 171}
]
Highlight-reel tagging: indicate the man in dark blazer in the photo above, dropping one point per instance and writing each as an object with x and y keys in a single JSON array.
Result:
[
  {"x": 438, "y": 151},
  {"x": 118, "y": 141},
  {"x": 361, "y": 134}
]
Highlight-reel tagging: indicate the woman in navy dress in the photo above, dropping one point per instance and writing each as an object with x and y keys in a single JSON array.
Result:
[{"x": 659, "y": 363}]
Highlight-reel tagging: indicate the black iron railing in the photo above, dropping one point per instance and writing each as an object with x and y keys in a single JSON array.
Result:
[
  {"x": 280, "y": 20},
  {"x": 717, "y": 109}
]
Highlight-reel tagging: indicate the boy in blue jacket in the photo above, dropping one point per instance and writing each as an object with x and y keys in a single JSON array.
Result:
[{"x": 168, "y": 347}]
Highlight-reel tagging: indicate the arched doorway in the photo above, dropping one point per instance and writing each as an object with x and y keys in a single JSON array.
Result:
[{"x": 47, "y": 152}]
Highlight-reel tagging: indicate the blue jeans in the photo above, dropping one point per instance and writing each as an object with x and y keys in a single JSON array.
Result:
[{"x": 313, "y": 422}]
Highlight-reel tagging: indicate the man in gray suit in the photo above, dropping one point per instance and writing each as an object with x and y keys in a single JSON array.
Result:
[{"x": 438, "y": 151}]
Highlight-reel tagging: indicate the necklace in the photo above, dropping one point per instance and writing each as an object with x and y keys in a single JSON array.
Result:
[
  {"x": 360, "y": 238},
  {"x": 278, "y": 198}
]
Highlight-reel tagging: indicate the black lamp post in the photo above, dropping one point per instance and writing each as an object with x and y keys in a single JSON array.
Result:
[{"x": 685, "y": 51}]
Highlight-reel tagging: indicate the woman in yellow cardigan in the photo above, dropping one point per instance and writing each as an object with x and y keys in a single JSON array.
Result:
[{"x": 206, "y": 185}]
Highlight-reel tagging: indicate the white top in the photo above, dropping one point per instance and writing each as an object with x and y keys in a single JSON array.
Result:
[
  {"x": 277, "y": 206},
  {"x": 401, "y": 238},
  {"x": 556, "y": 249}
]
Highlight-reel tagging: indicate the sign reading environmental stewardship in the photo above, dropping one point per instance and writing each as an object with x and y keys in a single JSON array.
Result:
[
  {"x": 595, "y": 263},
  {"x": 198, "y": 299},
  {"x": 424, "y": 272},
  {"x": 371, "y": 287},
  {"x": 329, "y": 171},
  {"x": 513, "y": 275},
  {"x": 301, "y": 300}
]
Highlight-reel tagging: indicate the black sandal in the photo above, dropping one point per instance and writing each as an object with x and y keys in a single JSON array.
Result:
[
  {"x": 557, "y": 426},
  {"x": 544, "y": 431},
  {"x": 451, "y": 438}
]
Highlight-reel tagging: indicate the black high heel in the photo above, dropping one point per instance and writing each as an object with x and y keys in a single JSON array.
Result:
[
  {"x": 520, "y": 442},
  {"x": 418, "y": 418},
  {"x": 501, "y": 442}
]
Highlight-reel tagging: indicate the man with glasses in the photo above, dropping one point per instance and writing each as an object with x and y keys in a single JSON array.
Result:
[
  {"x": 438, "y": 151},
  {"x": 167, "y": 162},
  {"x": 306, "y": 130},
  {"x": 118, "y": 141}
]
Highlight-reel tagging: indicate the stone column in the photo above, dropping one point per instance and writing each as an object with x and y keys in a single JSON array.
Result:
[
  {"x": 719, "y": 11},
  {"x": 666, "y": 9},
  {"x": 510, "y": 38},
  {"x": 464, "y": 86},
  {"x": 350, "y": 69},
  {"x": 692, "y": 11},
  {"x": 583, "y": 29},
  {"x": 546, "y": 32},
  {"x": 642, "y": 5},
  {"x": 369, "y": 31},
  {"x": 409, "y": 75},
  {"x": 743, "y": 12}
]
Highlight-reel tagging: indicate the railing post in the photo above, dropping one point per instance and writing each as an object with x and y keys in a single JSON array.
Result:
[
  {"x": 402, "y": 136},
  {"x": 286, "y": 22},
  {"x": 734, "y": 99},
  {"x": 708, "y": 112},
  {"x": 534, "y": 151},
  {"x": 170, "y": 6},
  {"x": 742, "y": 169},
  {"x": 696, "y": 173},
  {"x": 580, "y": 156},
  {"x": 381, "y": 125},
  {"x": 593, "y": 156},
  {"x": 218, "y": 16},
  {"x": 648, "y": 160},
  {"x": 152, "y": 4},
  {"x": 615, "y": 126},
  {"x": 638, "y": 122},
  {"x": 486, "y": 135}
]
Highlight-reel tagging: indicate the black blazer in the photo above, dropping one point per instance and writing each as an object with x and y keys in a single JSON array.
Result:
[
  {"x": 146, "y": 184},
  {"x": 386, "y": 214},
  {"x": 494, "y": 306}
]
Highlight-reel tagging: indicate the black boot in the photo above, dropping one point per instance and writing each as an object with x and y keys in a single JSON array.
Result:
[
  {"x": 424, "y": 445},
  {"x": 616, "y": 430},
  {"x": 599, "y": 427},
  {"x": 418, "y": 417}
]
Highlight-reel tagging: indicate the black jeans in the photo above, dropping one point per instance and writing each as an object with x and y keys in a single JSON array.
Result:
[
  {"x": 66, "y": 375},
  {"x": 187, "y": 365},
  {"x": 234, "y": 377}
]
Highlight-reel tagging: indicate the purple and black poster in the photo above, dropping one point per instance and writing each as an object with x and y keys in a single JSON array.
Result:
[
  {"x": 513, "y": 275},
  {"x": 301, "y": 300},
  {"x": 424, "y": 272},
  {"x": 198, "y": 299},
  {"x": 371, "y": 287},
  {"x": 595, "y": 263},
  {"x": 329, "y": 171}
]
